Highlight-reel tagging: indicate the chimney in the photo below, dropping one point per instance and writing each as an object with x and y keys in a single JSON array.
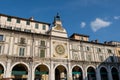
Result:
[
  {"x": 96, "y": 41},
  {"x": 31, "y": 18},
  {"x": 105, "y": 42}
]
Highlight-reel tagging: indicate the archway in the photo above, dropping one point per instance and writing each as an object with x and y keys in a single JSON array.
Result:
[
  {"x": 41, "y": 72},
  {"x": 114, "y": 74},
  {"x": 91, "y": 74},
  {"x": 77, "y": 73},
  {"x": 1, "y": 71},
  {"x": 104, "y": 74},
  {"x": 60, "y": 73},
  {"x": 20, "y": 72}
]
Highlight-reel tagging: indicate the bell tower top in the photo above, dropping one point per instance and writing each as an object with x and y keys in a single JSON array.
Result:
[
  {"x": 57, "y": 20},
  {"x": 57, "y": 17},
  {"x": 57, "y": 29}
]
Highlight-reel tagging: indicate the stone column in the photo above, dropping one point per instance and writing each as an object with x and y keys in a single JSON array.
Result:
[
  {"x": 69, "y": 73},
  {"x": 98, "y": 76},
  {"x": 109, "y": 73},
  {"x": 52, "y": 71},
  {"x": 84, "y": 73},
  {"x": 30, "y": 72},
  {"x": 8, "y": 72}
]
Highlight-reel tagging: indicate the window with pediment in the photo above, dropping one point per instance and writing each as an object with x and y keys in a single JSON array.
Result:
[
  {"x": 42, "y": 43},
  {"x": 21, "y": 51},
  {"x": 27, "y": 22},
  {"x": 109, "y": 50},
  {"x": 87, "y": 48},
  {"x": 99, "y": 50},
  {"x": 9, "y": 19},
  {"x": 43, "y": 27},
  {"x": 36, "y": 26},
  {"x": 42, "y": 53},
  {"x": 17, "y": 20}
]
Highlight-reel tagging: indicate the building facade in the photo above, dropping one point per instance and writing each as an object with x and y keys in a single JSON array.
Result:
[{"x": 32, "y": 50}]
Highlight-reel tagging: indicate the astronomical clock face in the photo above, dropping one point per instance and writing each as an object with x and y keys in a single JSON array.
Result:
[{"x": 60, "y": 49}]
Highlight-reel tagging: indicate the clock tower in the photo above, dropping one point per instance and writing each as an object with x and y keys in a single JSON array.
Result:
[{"x": 59, "y": 39}]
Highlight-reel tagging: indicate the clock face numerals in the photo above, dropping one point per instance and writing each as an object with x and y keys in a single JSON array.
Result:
[{"x": 60, "y": 49}]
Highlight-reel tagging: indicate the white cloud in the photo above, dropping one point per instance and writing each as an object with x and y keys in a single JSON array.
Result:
[
  {"x": 116, "y": 17},
  {"x": 99, "y": 23},
  {"x": 83, "y": 24}
]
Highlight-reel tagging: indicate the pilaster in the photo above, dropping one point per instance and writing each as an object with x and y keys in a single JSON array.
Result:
[{"x": 69, "y": 77}]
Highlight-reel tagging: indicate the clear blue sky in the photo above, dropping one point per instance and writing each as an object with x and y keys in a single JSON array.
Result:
[{"x": 100, "y": 19}]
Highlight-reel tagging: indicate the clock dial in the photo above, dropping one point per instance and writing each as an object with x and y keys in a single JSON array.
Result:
[{"x": 60, "y": 49}]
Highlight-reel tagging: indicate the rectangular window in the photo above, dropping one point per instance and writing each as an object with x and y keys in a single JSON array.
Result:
[
  {"x": 44, "y": 27},
  {"x": 109, "y": 51},
  {"x": 28, "y": 23},
  {"x": 1, "y": 37},
  {"x": 21, "y": 51},
  {"x": 36, "y": 26},
  {"x": 88, "y": 48},
  {"x": 42, "y": 53},
  {"x": 42, "y": 43},
  {"x": 18, "y": 21},
  {"x": 9, "y": 19}
]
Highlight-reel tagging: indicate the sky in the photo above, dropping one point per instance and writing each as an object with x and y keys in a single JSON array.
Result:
[{"x": 100, "y": 19}]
